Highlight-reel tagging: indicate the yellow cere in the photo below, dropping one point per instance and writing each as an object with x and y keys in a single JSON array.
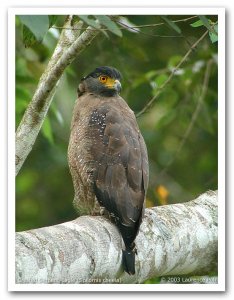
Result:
[{"x": 108, "y": 81}]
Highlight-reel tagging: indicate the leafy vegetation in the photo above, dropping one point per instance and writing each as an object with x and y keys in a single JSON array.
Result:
[{"x": 180, "y": 127}]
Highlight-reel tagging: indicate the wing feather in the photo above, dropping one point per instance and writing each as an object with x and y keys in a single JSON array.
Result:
[{"x": 120, "y": 167}]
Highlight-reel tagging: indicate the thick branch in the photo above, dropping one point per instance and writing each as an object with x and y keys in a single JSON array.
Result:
[
  {"x": 173, "y": 239},
  {"x": 70, "y": 45}
]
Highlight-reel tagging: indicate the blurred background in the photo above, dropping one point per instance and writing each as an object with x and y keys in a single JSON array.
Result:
[{"x": 180, "y": 129}]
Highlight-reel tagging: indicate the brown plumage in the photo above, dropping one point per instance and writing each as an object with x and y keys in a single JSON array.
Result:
[{"x": 108, "y": 157}]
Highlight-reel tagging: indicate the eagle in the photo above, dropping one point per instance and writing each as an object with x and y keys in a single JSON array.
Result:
[{"x": 108, "y": 158}]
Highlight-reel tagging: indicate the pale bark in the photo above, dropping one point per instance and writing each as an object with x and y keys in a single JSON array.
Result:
[
  {"x": 173, "y": 240},
  {"x": 68, "y": 48}
]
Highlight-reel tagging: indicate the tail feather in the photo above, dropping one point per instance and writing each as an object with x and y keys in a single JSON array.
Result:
[{"x": 129, "y": 261}]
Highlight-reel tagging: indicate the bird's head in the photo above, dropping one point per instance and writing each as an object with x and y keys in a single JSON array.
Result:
[{"x": 103, "y": 81}]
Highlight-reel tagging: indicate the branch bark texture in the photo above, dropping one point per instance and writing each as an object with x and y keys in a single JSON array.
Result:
[
  {"x": 173, "y": 240},
  {"x": 69, "y": 46}
]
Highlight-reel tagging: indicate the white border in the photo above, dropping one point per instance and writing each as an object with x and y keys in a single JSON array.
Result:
[
  {"x": 137, "y": 10},
  {"x": 11, "y": 144}
]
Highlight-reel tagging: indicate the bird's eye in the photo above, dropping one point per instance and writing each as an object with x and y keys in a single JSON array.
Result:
[{"x": 102, "y": 79}]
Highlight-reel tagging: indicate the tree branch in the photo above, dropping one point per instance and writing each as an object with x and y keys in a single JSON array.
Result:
[
  {"x": 131, "y": 27},
  {"x": 160, "y": 89},
  {"x": 173, "y": 240},
  {"x": 69, "y": 46},
  {"x": 163, "y": 23},
  {"x": 194, "y": 116}
]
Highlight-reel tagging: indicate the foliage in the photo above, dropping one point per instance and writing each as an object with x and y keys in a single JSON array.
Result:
[
  {"x": 210, "y": 25},
  {"x": 145, "y": 55},
  {"x": 35, "y": 27}
]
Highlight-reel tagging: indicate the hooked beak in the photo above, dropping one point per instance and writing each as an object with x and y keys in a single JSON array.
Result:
[{"x": 117, "y": 86}]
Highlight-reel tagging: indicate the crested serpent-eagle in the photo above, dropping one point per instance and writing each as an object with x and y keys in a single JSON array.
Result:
[{"x": 108, "y": 158}]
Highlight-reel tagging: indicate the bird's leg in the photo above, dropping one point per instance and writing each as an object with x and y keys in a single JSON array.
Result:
[
  {"x": 99, "y": 210},
  {"x": 104, "y": 212},
  {"x": 133, "y": 248}
]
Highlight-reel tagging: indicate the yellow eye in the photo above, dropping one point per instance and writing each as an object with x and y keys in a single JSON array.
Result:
[{"x": 103, "y": 79}]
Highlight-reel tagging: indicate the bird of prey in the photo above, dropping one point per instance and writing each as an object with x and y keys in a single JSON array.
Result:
[{"x": 108, "y": 158}]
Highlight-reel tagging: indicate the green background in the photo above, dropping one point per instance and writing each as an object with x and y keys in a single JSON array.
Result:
[{"x": 44, "y": 190}]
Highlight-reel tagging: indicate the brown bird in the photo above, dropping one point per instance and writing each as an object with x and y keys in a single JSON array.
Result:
[{"x": 108, "y": 158}]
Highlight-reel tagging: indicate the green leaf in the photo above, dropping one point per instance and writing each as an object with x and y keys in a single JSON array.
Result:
[
  {"x": 206, "y": 23},
  {"x": 197, "y": 23},
  {"x": 150, "y": 74},
  {"x": 47, "y": 130},
  {"x": 215, "y": 27},
  {"x": 109, "y": 24},
  {"x": 38, "y": 25},
  {"x": 105, "y": 33},
  {"x": 214, "y": 36},
  {"x": 172, "y": 24},
  {"x": 159, "y": 80},
  {"x": 29, "y": 38},
  {"x": 174, "y": 60},
  {"x": 89, "y": 21},
  {"x": 52, "y": 20}
]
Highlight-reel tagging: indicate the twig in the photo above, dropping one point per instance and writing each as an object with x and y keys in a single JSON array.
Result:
[
  {"x": 194, "y": 116},
  {"x": 160, "y": 89},
  {"x": 162, "y": 23},
  {"x": 134, "y": 28},
  {"x": 131, "y": 27},
  {"x": 126, "y": 27}
]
